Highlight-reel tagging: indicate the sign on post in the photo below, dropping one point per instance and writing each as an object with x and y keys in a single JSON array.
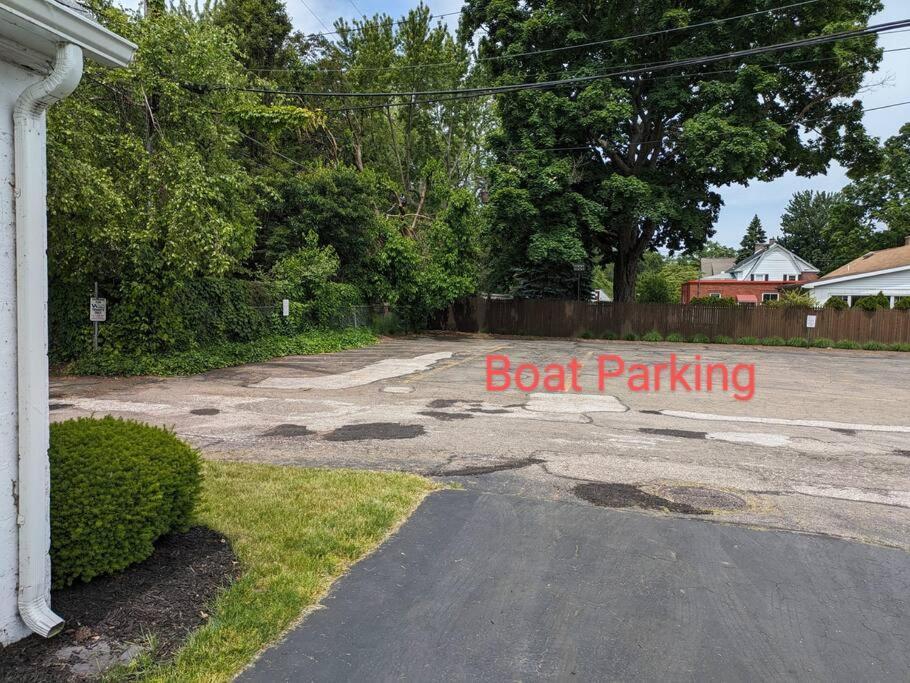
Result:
[
  {"x": 285, "y": 307},
  {"x": 810, "y": 321},
  {"x": 97, "y": 310}
]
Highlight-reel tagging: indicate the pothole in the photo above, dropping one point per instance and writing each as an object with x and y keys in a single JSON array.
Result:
[
  {"x": 375, "y": 430},
  {"x": 288, "y": 431},
  {"x": 704, "y": 498},
  {"x": 629, "y": 496},
  {"x": 205, "y": 411},
  {"x": 489, "y": 469}
]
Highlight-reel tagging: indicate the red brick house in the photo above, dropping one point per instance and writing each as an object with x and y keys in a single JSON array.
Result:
[{"x": 756, "y": 279}]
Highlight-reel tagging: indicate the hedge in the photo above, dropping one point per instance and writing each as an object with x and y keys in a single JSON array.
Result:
[{"x": 116, "y": 486}]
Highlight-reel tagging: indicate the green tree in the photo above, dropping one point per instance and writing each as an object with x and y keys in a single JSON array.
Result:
[
  {"x": 633, "y": 158},
  {"x": 805, "y": 227},
  {"x": 755, "y": 235},
  {"x": 262, "y": 30}
]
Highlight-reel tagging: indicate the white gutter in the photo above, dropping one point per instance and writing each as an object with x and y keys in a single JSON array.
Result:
[{"x": 29, "y": 119}]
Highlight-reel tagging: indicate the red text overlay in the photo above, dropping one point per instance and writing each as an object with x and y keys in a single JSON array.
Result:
[{"x": 674, "y": 375}]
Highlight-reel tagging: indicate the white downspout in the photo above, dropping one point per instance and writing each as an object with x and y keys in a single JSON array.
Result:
[{"x": 29, "y": 121}]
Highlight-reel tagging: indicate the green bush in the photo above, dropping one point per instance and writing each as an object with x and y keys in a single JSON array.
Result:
[
  {"x": 836, "y": 304},
  {"x": 722, "y": 339},
  {"x": 899, "y": 347},
  {"x": 902, "y": 303},
  {"x": 751, "y": 341},
  {"x": 823, "y": 343},
  {"x": 609, "y": 335},
  {"x": 675, "y": 337},
  {"x": 699, "y": 339},
  {"x": 846, "y": 344},
  {"x": 630, "y": 336},
  {"x": 722, "y": 301},
  {"x": 587, "y": 334},
  {"x": 653, "y": 336},
  {"x": 798, "y": 341},
  {"x": 874, "y": 346},
  {"x": 793, "y": 298},
  {"x": 773, "y": 341},
  {"x": 113, "y": 363},
  {"x": 876, "y": 302},
  {"x": 116, "y": 486}
]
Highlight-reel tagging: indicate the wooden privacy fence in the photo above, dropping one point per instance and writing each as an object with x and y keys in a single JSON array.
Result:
[{"x": 560, "y": 318}]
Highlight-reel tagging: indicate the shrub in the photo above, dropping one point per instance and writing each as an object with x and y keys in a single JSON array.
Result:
[
  {"x": 652, "y": 336},
  {"x": 721, "y": 301},
  {"x": 798, "y": 341},
  {"x": 630, "y": 336},
  {"x": 723, "y": 339},
  {"x": 874, "y": 346},
  {"x": 773, "y": 341},
  {"x": 899, "y": 347},
  {"x": 116, "y": 486},
  {"x": 902, "y": 303},
  {"x": 699, "y": 339},
  {"x": 792, "y": 298},
  {"x": 876, "y": 302},
  {"x": 751, "y": 341},
  {"x": 836, "y": 304},
  {"x": 675, "y": 337},
  {"x": 587, "y": 334},
  {"x": 823, "y": 343},
  {"x": 609, "y": 335},
  {"x": 846, "y": 344}
]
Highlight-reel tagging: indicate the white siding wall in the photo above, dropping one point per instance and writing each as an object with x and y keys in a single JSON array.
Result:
[
  {"x": 12, "y": 81},
  {"x": 774, "y": 263},
  {"x": 892, "y": 284}
]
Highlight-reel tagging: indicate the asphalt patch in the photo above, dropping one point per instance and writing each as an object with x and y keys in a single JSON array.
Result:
[
  {"x": 848, "y": 432},
  {"x": 445, "y": 417},
  {"x": 628, "y": 496},
  {"x": 489, "y": 469},
  {"x": 703, "y": 498},
  {"x": 444, "y": 403},
  {"x": 679, "y": 433},
  {"x": 205, "y": 411},
  {"x": 901, "y": 453},
  {"x": 489, "y": 411},
  {"x": 289, "y": 431},
  {"x": 375, "y": 430},
  {"x": 59, "y": 406}
]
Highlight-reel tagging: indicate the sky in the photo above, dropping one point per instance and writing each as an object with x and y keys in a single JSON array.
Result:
[{"x": 767, "y": 200}]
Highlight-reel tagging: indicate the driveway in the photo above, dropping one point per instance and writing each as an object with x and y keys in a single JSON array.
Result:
[
  {"x": 491, "y": 587},
  {"x": 823, "y": 446}
]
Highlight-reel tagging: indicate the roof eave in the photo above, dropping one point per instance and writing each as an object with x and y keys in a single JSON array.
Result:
[{"x": 59, "y": 24}]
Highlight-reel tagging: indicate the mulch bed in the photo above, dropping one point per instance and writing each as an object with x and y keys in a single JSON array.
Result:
[{"x": 112, "y": 618}]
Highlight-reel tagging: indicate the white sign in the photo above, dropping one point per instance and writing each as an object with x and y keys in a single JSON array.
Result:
[
  {"x": 97, "y": 310},
  {"x": 810, "y": 321},
  {"x": 285, "y": 308}
]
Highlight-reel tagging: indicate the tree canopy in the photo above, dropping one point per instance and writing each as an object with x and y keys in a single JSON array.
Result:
[{"x": 617, "y": 165}]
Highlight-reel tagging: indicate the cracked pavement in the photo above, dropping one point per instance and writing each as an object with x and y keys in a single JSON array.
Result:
[{"x": 823, "y": 447}]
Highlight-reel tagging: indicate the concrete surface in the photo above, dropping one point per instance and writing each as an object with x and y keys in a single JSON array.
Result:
[
  {"x": 824, "y": 445},
  {"x": 496, "y": 587}
]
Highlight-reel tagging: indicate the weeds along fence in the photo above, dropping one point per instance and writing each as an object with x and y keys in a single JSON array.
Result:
[{"x": 561, "y": 318}]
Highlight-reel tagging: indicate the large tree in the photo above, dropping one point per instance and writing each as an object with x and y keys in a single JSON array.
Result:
[
  {"x": 614, "y": 166},
  {"x": 805, "y": 227}
]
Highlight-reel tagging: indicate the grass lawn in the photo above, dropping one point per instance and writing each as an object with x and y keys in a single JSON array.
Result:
[{"x": 295, "y": 531}]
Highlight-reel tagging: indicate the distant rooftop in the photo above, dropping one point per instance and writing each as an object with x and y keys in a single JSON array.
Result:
[{"x": 885, "y": 259}]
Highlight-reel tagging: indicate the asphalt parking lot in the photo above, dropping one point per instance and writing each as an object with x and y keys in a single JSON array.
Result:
[
  {"x": 603, "y": 533},
  {"x": 823, "y": 445}
]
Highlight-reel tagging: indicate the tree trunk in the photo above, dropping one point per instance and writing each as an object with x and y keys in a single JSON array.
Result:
[{"x": 625, "y": 273}]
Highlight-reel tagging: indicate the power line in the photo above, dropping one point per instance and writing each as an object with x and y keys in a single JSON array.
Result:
[
  {"x": 315, "y": 16},
  {"x": 542, "y": 85},
  {"x": 887, "y": 106},
  {"x": 377, "y": 23},
  {"x": 702, "y": 24}
]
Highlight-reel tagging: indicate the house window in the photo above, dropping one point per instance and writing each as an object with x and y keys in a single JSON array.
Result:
[
  {"x": 761, "y": 277},
  {"x": 770, "y": 296},
  {"x": 790, "y": 278},
  {"x": 714, "y": 295}
]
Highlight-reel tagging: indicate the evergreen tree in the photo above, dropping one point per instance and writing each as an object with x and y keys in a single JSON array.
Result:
[{"x": 755, "y": 235}]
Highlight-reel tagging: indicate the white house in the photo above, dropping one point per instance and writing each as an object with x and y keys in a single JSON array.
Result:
[
  {"x": 756, "y": 279},
  {"x": 886, "y": 271},
  {"x": 42, "y": 44}
]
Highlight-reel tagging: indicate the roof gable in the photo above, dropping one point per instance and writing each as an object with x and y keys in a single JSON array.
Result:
[{"x": 751, "y": 264}]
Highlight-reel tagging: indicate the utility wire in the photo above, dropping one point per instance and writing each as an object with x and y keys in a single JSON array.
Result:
[
  {"x": 315, "y": 16},
  {"x": 543, "y": 85},
  {"x": 399, "y": 22},
  {"x": 702, "y": 24}
]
